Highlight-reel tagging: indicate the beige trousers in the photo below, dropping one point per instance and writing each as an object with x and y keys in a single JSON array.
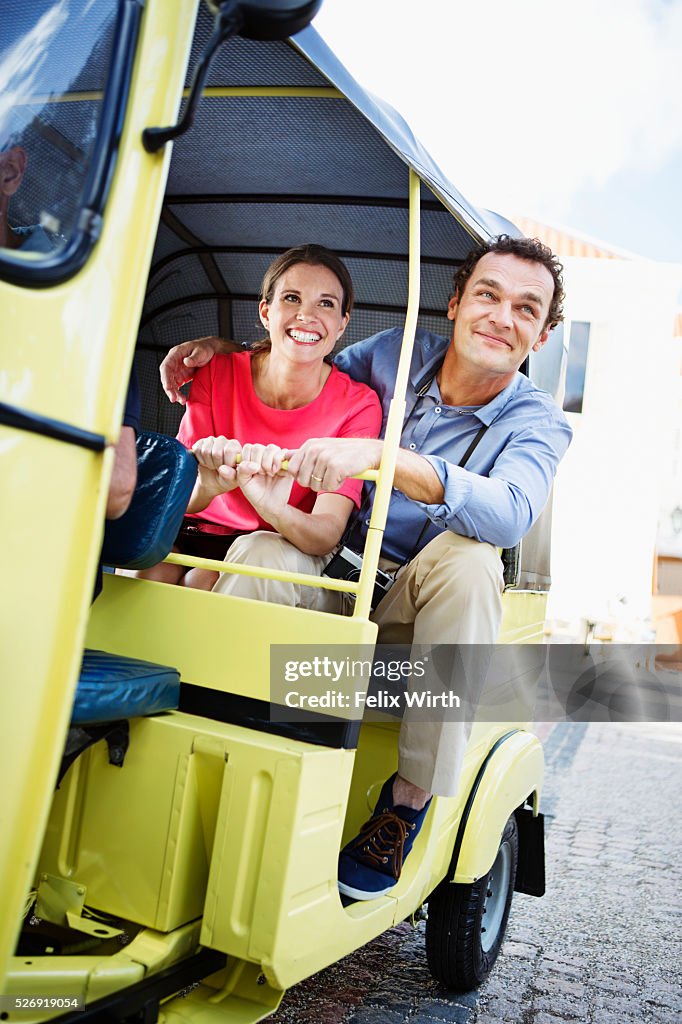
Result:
[{"x": 449, "y": 594}]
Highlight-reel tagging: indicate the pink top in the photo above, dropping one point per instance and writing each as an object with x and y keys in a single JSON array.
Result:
[{"x": 223, "y": 402}]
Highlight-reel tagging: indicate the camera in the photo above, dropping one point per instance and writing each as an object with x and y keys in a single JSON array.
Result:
[{"x": 346, "y": 565}]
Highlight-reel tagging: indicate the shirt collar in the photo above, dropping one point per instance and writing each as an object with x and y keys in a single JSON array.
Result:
[
  {"x": 488, "y": 413},
  {"x": 485, "y": 413}
]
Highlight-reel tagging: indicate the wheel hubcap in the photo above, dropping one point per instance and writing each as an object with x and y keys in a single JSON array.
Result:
[{"x": 496, "y": 897}]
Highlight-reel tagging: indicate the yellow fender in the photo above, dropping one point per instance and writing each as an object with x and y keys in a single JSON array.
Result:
[{"x": 511, "y": 773}]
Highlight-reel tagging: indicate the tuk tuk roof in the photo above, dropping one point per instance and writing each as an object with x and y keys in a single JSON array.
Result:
[{"x": 288, "y": 148}]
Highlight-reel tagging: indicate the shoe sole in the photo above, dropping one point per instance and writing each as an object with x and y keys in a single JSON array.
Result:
[{"x": 362, "y": 894}]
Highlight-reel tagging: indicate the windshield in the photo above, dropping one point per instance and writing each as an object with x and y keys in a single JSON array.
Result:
[{"x": 54, "y": 62}]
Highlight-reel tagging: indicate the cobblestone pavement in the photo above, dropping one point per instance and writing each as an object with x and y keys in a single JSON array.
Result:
[{"x": 604, "y": 945}]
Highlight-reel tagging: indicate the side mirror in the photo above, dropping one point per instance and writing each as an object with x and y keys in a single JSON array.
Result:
[
  {"x": 270, "y": 19},
  {"x": 253, "y": 19}
]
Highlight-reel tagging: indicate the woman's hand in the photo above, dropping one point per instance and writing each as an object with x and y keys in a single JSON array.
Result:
[
  {"x": 263, "y": 483},
  {"x": 268, "y": 490},
  {"x": 217, "y": 458}
]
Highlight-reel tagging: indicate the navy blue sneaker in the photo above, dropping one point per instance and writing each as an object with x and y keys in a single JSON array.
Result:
[{"x": 370, "y": 865}]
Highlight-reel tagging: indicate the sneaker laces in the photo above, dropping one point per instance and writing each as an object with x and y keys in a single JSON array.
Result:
[{"x": 382, "y": 840}]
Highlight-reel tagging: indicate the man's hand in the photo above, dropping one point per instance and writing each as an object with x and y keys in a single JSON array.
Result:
[
  {"x": 322, "y": 464},
  {"x": 182, "y": 360}
]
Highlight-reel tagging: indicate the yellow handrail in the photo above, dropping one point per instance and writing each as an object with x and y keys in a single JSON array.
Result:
[
  {"x": 396, "y": 414},
  {"x": 262, "y": 572}
]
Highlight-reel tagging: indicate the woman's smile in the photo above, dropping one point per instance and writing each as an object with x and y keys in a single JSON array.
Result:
[
  {"x": 306, "y": 313},
  {"x": 302, "y": 337}
]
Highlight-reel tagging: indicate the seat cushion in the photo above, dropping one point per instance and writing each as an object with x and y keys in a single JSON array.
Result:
[
  {"x": 112, "y": 687},
  {"x": 144, "y": 535}
]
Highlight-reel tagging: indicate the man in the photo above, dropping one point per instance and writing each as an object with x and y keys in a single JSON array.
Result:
[
  {"x": 466, "y": 401},
  {"x": 33, "y": 238}
]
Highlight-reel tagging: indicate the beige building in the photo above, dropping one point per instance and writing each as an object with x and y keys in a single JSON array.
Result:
[{"x": 622, "y": 476}]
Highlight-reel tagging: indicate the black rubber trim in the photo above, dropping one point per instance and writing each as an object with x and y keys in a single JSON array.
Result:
[
  {"x": 472, "y": 796},
  {"x": 255, "y": 714},
  {"x": 19, "y": 419},
  {"x": 64, "y": 263},
  {"x": 294, "y": 198},
  {"x": 139, "y": 1003}
]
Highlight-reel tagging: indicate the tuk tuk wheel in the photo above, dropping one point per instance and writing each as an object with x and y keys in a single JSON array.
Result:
[{"x": 466, "y": 923}]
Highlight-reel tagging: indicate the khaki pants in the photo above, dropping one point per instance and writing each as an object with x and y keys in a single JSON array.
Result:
[{"x": 450, "y": 593}]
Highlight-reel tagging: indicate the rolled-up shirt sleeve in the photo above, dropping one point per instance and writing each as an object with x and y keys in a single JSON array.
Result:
[{"x": 501, "y": 507}]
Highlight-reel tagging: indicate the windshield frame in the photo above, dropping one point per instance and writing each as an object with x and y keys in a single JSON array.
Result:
[{"x": 63, "y": 263}]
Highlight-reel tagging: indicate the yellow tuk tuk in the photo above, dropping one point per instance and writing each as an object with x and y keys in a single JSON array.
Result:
[{"x": 186, "y": 866}]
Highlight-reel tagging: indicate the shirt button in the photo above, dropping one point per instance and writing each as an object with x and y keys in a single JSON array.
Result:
[
  {"x": 412, "y": 447},
  {"x": 366, "y": 522},
  {"x": 437, "y": 409}
]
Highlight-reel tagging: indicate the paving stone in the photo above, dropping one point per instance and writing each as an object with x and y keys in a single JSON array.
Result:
[
  {"x": 554, "y": 984},
  {"x": 562, "y": 1006},
  {"x": 503, "y": 1008},
  {"x": 617, "y": 987},
  {"x": 469, "y": 999},
  {"x": 429, "y": 1012},
  {"x": 669, "y": 995},
  {"x": 555, "y": 960},
  {"x": 374, "y": 1015},
  {"x": 603, "y": 1016},
  {"x": 619, "y": 1003},
  {"x": 559, "y": 969},
  {"x": 514, "y": 948},
  {"x": 664, "y": 1016}
]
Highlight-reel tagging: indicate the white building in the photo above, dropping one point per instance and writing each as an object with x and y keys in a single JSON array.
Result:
[{"x": 622, "y": 399}]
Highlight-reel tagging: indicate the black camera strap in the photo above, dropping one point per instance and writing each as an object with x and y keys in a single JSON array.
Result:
[{"x": 462, "y": 463}]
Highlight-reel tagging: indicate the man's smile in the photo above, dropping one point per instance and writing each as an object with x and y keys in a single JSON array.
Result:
[{"x": 493, "y": 339}]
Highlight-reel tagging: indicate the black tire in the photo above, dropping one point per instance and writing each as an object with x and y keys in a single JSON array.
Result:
[{"x": 466, "y": 923}]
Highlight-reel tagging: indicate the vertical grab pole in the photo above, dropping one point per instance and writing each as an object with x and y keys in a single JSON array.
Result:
[{"x": 396, "y": 413}]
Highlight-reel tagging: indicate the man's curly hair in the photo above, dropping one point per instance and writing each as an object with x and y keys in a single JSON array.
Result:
[{"x": 531, "y": 249}]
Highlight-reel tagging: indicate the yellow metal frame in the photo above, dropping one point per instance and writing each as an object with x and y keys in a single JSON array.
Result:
[{"x": 54, "y": 494}]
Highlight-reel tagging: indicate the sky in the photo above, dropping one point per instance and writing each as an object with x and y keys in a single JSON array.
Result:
[{"x": 570, "y": 112}]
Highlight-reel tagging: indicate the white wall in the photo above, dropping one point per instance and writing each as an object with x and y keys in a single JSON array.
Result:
[{"x": 609, "y": 486}]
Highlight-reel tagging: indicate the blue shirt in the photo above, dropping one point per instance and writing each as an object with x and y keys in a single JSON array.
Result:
[
  {"x": 508, "y": 477},
  {"x": 35, "y": 239}
]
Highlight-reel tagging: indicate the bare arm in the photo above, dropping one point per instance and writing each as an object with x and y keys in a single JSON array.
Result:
[
  {"x": 182, "y": 360},
  {"x": 217, "y": 458},
  {"x": 315, "y": 533},
  {"x": 124, "y": 475}
]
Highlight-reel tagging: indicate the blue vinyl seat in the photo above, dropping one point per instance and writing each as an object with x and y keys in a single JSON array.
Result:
[{"x": 111, "y": 687}]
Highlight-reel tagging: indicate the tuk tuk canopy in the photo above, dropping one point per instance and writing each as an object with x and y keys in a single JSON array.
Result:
[{"x": 286, "y": 149}]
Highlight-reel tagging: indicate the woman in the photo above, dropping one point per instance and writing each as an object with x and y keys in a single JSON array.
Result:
[{"x": 253, "y": 404}]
